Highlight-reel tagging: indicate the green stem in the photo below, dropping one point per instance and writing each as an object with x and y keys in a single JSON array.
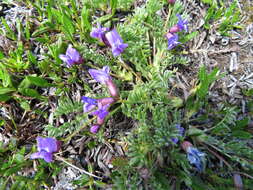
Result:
[{"x": 168, "y": 18}]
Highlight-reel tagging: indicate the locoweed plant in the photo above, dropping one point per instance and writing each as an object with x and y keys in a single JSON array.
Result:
[{"x": 169, "y": 141}]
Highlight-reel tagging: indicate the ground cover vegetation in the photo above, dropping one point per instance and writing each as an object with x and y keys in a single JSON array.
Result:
[{"x": 90, "y": 98}]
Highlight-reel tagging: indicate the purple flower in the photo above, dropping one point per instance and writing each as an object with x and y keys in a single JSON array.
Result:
[
  {"x": 115, "y": 42},
  {"x": 72, "y": 57},
  {"x": 101, "y": 112},
  {"x": 196, "y": 157},
  {"x": 172, "y": 40},
  {"x": 99, "y": 33},
  {"x": 94, "y": 129},
  {"x": 46, "y": 148},
  {"x": 89, "y": 104},
  {"x": 101, "y": 76},
  {"x": 180, "y": 133},
  {"x": 182, "y": 24}
]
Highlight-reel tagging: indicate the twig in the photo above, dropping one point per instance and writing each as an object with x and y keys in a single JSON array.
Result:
[
  {"x": 220, "y": 157},
  {"x": 75, "y": 167},
  {"x": 246, "y": 175},
  {"x": 212, "y": 52}
]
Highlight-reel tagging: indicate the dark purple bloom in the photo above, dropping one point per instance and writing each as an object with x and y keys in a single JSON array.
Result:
[
  {"x": 172, "y": 40},
  {"x": 101, "y": 76},
  {"x": 182, "y": 24},
  {"x": 71, "y": 57},
  {"x": 99, "y": 33},
  {"x": 196, "y": 157},
  {"x": 115, "y": 42},
  {"x": 89, "y": 104},
  {"x": 46, "y": 148},
  {"x": 180, "y": 133},
  {"x": 94, "y": 129}
]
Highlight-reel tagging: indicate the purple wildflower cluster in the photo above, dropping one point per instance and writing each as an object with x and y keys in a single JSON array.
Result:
[
  {"x": 110, "y": 38},
  {"x": 171, "y": 35},
  {"x": 100, "y": 107},
  {"x": 102, "y": 76}
]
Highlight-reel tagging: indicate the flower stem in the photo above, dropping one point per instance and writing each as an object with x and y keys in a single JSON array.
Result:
[{"x": 75, "y": 167}]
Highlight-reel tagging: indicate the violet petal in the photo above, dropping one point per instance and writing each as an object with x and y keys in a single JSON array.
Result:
[
  {"x": 66, "y": 59},
  {"x": 98, "y": 32},
  {"x": 88, "y": 107},
  {"x": 173, "y": 41},
  {"x": 47, "y": 156},
  {"x": 47, "y": 144},
  {"x": 94, "y": 129},
  {"x": 73, "y": 54},
  {"x": 100, "y": 75},
  {"x": 182, "y": 23},
  {"x": 115, "y": 42}
]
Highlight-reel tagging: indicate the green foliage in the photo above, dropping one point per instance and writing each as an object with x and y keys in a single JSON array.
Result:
[
  {"x": 206, "y": 80},
  {"x": 225, "y": 18},
  {"x": 66, "y": 106},
  {"x": 142, "y": 74},
  {"x": 13, "y": 163}
]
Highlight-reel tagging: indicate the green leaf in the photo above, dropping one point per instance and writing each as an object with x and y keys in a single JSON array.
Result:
[
  {"x": 30, "y": 92},
  {"x": 38, "y": 81},
  {"x": 113, "y": 4},
  {"x": 207, "y": 1},
  {"x": 242, "y": 134},
  {"x": 4, "y": 90},
  {"x": 248, "y": 92},
  {"x": 205, "y": 81},
  {"x": 4, "y": 97},
  {"x": 188, "y": 37},
  {"x": 25, "y": 105},
  {"x": 25, "y": 83},
  {"x": 86, "y": 26},
  {"x": 242, "y": 123}
]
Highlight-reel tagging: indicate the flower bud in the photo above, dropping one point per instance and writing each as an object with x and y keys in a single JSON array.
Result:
[
  {"x": 112, "y": 88},
  {"x": 171, "y": 1}
]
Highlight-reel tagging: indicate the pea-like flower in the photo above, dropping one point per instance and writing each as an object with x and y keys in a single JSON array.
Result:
[
  {"x": 101, "y": 113},
  {"x": 89, "y": 104},
  {"x": 116, "y": 42},
  {"x": 103, "y": 77},
  {"x": 99, "y": 33},
  {"x": 195, "y": 157},
  {"x": 71, "y": 57},
  {"x": 180, "y": 26},
  {"x": 180, "y": 133},
  {"x": 46, "y": 147},
  {"x": 172, "y": 40},
  {"x": 94, "y": 128}
]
